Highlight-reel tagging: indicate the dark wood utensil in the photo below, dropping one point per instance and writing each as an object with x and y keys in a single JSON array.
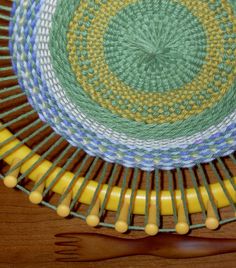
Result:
[{"x": 80, "y": 247}]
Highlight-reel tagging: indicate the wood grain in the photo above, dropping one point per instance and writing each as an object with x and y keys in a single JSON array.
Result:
[{"x": 27, "y": 238}]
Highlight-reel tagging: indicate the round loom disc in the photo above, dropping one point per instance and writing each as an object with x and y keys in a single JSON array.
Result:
[{"x": 142, "y": 83}]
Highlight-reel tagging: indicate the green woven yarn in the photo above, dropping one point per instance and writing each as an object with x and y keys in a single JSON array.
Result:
[
  {"x": 233, "y": 3},
  {"x": 155, "y": 51}
]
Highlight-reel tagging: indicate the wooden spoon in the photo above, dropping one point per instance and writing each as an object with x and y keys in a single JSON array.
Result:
[{"x": 80, "y": 247}]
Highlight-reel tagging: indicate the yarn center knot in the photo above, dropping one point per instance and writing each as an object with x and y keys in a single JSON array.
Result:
[{"x": 150, "y": 49}]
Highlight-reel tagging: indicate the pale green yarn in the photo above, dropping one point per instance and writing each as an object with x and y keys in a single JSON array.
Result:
[
  {"x": 155, "y": 52},
  {"x": 233, "y": 3}
]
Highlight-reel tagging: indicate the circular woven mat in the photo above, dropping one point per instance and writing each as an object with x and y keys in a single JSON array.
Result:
[
  {"x": 147, "y": 84},
  {"x": 142, "y": 95}
]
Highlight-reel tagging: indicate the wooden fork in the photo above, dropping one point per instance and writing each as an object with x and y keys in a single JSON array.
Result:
[{"x": 80, "y": 247}]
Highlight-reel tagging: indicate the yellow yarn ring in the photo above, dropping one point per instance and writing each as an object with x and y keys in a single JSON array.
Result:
[{"x": 113, "y": 200}]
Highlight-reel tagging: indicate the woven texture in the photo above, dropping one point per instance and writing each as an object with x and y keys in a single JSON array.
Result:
[{"x": 148, "y": 84}]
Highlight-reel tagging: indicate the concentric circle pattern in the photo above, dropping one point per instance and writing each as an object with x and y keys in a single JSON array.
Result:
[
  {"x": 143, "y": 83},
  {"x": 151, "y": 49}
]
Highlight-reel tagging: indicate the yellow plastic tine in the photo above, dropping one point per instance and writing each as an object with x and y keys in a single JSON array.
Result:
[
  {"x": 182, "y": 226},
  {"x": 36, "y": 196},
  {"x": 63, "y": 210},
  {"x": 212, "y": 222},
  {"x": 92, "y": 219},
  {"x": 10, "y": 180},
  {"x": 121, "y": 225},
  {"x": 151, "y": 228}
]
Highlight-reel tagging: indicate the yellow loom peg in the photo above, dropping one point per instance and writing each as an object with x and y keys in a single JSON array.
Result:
[
  {"x": 121, "y": 225},
  {"x": 151, "y": 228},
  {"x": 63, "y": 210},
  {"x": 182, "y": 226},
  {"x": 36, "y": 196},
  {"x": 212, "y": 222},
  {"x": 92, "y": 219},
  {"x": 10, "y": 180}
]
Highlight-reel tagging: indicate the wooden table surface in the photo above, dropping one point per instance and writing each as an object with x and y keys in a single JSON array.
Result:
[{"x": 27, "y": 238}]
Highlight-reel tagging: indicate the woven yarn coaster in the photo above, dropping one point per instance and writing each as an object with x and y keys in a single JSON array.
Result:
[{"x": 143, "y": 83}]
